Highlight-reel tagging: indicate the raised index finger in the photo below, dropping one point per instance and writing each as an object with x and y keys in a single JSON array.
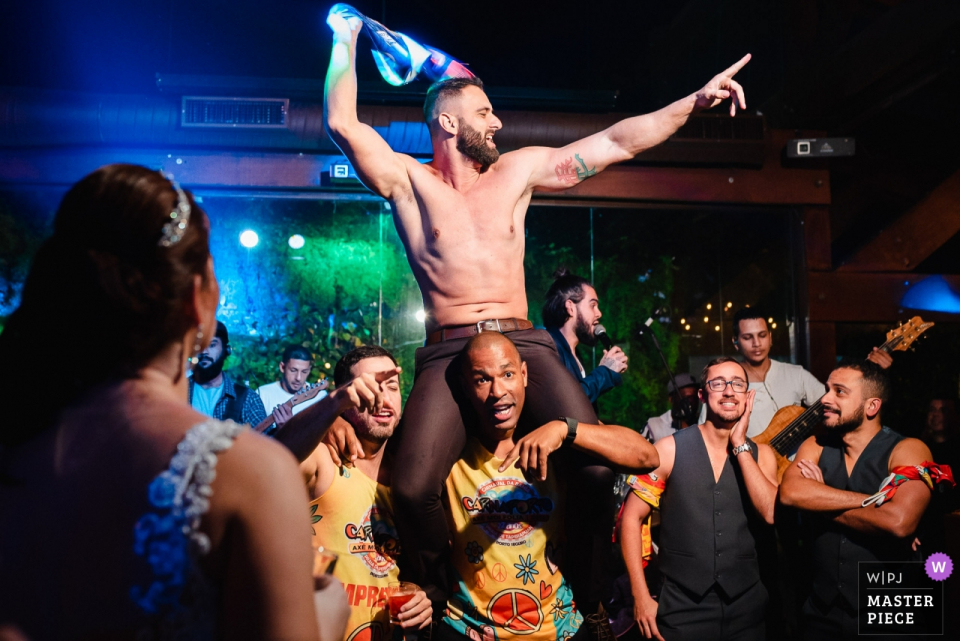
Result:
[
  {"x": 737, "y": 66},
  {"x": 387, "y": 374}
]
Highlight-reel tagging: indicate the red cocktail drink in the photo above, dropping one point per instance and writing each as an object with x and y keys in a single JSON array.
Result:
[{"x": 398, "y": 595}]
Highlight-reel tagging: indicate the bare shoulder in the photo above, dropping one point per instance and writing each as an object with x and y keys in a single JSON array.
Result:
[
  {"x": 256, "y": 468},
  {"x": 667, "y": 449},
  {"x": 317, "y": 471},
  {"x": 909, "y": 451},
  {"x": 810, "y": 450}
]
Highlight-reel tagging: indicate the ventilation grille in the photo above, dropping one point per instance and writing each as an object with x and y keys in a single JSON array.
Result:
[{"x": 236, "y": 113}]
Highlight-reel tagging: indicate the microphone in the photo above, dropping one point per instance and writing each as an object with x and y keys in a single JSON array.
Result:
[{"x": 601, "y": 334}]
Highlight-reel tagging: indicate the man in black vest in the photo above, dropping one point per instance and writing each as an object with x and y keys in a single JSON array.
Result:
[
  {"x": 716, "y": 488},
  {"x": 832, "y": 475}
]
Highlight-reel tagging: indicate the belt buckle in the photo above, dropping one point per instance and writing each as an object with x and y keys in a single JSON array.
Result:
[{"x": 488, "y": 326}]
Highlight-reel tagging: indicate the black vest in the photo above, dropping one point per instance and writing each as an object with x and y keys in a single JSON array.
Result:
[
  {"x": 707, "y": 528},
  {"x": 837, "y": 549}
]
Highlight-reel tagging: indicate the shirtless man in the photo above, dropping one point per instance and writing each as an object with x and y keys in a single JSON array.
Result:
[{"x": 461, "y": 220}]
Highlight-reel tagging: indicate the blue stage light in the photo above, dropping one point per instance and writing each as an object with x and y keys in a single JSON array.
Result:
[
  {"x": 932, "y": 294},
  {"x": 296, "y": 241},
  {"x": 249, "y": 239}
]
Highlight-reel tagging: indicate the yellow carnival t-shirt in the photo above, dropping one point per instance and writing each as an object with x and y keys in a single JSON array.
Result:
[
  {"x": 506, "y": 536},
  {"x": 354, "y": 519}
]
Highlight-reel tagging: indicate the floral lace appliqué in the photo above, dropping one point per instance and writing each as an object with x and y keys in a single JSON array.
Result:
[{"x": 168, "y": 537}]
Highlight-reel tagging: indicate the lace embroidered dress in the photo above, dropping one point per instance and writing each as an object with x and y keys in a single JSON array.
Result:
[{"x": 180, "y": 601}]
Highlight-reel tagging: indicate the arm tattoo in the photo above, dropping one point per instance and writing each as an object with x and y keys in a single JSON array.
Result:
[{"x": 568, "y": 173}]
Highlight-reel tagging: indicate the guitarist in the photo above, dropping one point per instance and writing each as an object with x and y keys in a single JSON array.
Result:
[
  {"x": 777, "y": 384},
  {"x": 216, "y": 394},
  {"x": 295, "y": 365}
]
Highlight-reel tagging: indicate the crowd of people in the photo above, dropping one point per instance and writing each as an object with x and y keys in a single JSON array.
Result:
[{"x": 137, "y": 502}]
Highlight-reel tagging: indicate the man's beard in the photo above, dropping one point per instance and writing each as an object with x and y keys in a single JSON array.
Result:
[
  {"x": 203, "y": 374},
  {"x": 845, "y": 424},
  {"x": 473, "y": 144},
  {"x": 584, "y": 332}
]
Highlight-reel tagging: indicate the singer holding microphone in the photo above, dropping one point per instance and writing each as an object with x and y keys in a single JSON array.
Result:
[{"x": 571, "y": 313}]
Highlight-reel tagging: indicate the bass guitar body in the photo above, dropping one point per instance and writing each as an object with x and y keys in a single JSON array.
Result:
[{"x": 780, "y": 422}]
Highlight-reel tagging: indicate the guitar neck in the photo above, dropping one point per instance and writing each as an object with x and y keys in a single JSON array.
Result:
[{"x": 787, "y": 441}]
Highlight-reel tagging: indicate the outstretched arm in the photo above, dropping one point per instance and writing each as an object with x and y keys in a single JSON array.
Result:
[
  {"x": 377, "y": 166},
  {"x": 302, "y": 433},
  {"x": 622, "y": 447},
  {"x": 556, "y": 169}
]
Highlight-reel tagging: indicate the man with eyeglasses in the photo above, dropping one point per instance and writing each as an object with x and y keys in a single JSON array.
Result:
[{"x": 711, "y": 514}]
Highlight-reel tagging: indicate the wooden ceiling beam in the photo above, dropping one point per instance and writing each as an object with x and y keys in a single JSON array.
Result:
[
  {"x": 867, "y": 298},
  {"x": 913, "y": 237}
]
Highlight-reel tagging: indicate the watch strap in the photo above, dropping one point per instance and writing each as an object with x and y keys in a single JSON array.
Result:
[
  {"x": 742, "y": 448},
  {"x": 572, "y": 424}
]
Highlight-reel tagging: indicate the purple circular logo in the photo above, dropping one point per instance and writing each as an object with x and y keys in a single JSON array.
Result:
[{"x": 938, "y": 566}]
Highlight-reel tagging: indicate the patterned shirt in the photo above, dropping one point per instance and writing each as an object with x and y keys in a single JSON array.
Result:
[
  {"x": 252, "y": 412},
  {"x": 507, "y": 548}
]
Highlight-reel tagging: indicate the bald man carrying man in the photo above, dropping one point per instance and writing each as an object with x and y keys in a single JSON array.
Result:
[{"x": 461, "y": 220}]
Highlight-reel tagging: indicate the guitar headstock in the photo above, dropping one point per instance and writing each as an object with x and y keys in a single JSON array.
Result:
[
  {"x": 900, "y": 338},
  {"x": 319, "y": 386}
]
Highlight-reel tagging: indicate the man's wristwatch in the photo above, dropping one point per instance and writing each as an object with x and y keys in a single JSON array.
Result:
[
  {"x": 742, "y": 448},
  {"x": 572, "y": 424}
]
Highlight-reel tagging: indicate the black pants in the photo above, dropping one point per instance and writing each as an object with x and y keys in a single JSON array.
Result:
[
  {"x": 432, "y": 434},
  {"x": 838, "y": 622},
  {"x": 682, "y": 615}
]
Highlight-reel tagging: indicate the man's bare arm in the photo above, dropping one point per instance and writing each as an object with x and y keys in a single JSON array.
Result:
[
  {"x": 760, "y": 479},
  {"x": 302, "y": 433},
  {"x": 900, "y": 515},
  {"x": 620, "y": 446},
  {"x": 813, "y": 496},
  {"x": 635, "y": 511},
  {"x": 377, "y": 166},
  {"x": 557, "y": 169}
]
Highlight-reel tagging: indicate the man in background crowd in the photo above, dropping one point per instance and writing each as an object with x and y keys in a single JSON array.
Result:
[
  {"x": 571, "y": 312},
  {"x": 681, "y": 411},
  {"x": 215, "y": 394},
  {"x": 295, "y": 365},
  {"x": 941, "y": 433}
]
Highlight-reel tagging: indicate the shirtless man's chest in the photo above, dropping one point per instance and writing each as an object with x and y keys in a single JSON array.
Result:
[{"x": 466, "y": 245}]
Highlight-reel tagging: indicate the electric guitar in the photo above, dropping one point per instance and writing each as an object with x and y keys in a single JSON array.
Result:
[
  {"x": 792, "y": 425},
  {"x": 304, "y": 395}
]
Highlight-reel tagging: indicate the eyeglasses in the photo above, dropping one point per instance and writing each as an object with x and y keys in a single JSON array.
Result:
[{"x": 718, "y": 385}]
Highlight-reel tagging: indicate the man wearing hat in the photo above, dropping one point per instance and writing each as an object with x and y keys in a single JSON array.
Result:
[
  {"x": 674, "y": 418},
  {"x": 215, "y": 394}
]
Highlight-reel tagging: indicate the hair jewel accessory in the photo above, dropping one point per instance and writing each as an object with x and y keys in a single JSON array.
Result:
[{"x": 174, "y": 228}]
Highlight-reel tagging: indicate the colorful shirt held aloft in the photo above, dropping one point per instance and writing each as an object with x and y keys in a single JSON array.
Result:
[
  {"x": 354, "y": 519},
  {"x": 506, "y": 548}
]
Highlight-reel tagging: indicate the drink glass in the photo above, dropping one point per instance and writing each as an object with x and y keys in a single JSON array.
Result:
[
  {"x": 398, "y": 594},
  {"x": 323, "y": 562}
]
